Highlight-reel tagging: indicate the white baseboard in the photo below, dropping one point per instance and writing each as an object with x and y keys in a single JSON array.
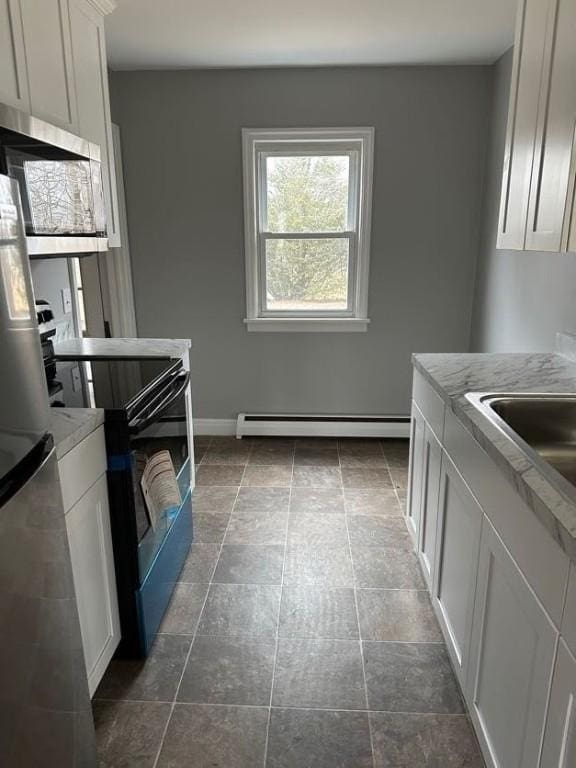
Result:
[
  {"x": 322, "y": 426},
  {"x": 214, "y": 427},
  {"x": 228, "y": 427}
]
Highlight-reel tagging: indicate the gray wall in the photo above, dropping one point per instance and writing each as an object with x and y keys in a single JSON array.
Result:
[
  {"x": 522, "y": 297},
  {"x": 183, "y": 174}
]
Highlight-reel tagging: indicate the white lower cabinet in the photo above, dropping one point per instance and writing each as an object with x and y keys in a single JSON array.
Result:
[
  {"x": 88, "y": 526},
  {"x": 502, "y": 589},
  {"x": 413, "y": 508},
  {"x": 559, "y": 749},
  {"x": 457, "y": 545},
  {"x": 511, "y": 659},
  {"x": 85, "y": 495},
  {"x": 431, "y": 465}
]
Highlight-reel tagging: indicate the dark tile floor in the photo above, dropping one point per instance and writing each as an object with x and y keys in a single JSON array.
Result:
[{"x": 301, "y": 634}]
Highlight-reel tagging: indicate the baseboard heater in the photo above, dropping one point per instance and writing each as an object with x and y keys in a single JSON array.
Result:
[{"x": 300, "y": 425}]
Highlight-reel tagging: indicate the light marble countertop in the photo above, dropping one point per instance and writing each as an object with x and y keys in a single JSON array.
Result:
[
  {"x": 70, "y": 426},
  {"x": 89, "y": 348},
  {"x": 455, "y": 375}
]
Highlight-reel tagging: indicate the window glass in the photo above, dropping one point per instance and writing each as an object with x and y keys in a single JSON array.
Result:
[
  {"x": 307, "y": 274},
  {"x": 307, "y": 193}
]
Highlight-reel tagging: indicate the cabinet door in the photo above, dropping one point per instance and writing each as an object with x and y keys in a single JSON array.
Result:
[
  {"x": 91, "y": 77},
  {"x": 571, "y": 216},
  {"x": 88, "y": 526},
  {"x": 13, "y": 80},
  {"x": 432, "y": 461},
  {"x": 457, "y": 546},
  {"x": 511, "y": 657},
  {"x": 559, "y": 749},
  {"x": 554, "y": 134},
  {"x": 49, "y": 62},
  {"x": 413, "y": 506},
  {"x": 527, "y": 68}
]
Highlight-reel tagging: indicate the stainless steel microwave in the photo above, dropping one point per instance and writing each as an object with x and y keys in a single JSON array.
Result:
[{"x": 60, "y": 180}]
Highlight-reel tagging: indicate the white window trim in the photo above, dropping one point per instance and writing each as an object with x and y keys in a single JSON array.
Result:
[{"x": 254, "y": 141}]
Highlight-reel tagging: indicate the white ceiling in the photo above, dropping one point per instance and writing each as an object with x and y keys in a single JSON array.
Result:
[{"x": 163, "y": 34}]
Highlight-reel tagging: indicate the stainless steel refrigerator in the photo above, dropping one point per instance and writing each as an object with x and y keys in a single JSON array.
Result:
[{"x": 45, "y": 713}]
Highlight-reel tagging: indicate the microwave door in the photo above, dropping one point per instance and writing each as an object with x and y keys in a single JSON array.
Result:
[{"x": 152, "y": 410}]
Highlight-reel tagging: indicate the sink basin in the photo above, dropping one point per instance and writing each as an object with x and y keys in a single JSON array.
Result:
[{"x": 542, "y": 425}]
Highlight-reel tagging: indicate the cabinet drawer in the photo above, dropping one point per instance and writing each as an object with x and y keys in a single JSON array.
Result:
[
  {"x": 81, "y": 467},
  {"x": 430, "y": 404},
  {"x": 544, "y": 564}
]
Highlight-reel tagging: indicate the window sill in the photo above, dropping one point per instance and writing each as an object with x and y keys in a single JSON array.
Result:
[{"x": 307, "y": 324}]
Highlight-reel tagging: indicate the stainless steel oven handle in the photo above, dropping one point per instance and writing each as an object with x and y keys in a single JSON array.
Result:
[{"x": 138, "y": 425}]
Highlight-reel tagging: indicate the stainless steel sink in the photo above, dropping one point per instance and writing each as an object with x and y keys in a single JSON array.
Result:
[{"x": 542, "y": 425}]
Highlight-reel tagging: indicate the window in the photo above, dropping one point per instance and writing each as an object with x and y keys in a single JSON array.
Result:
[{"x": 307, "y": 203}]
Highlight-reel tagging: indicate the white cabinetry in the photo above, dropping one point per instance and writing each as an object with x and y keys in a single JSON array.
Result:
[
  {"x": 535, "y": 204},
  {"x": 457, "y": 545},
  {"x": 49, "y": 62},
  {"x": 91, "y": 79},
  {"x": 571, "y": 222},
  {"x": 503, "y": 590},
  {"x": 527, "y": 66},
  {"x": 569, "y": 618},
  {"x": 88, "y": 526},
  {"x": 559, "y": 749},
  {"x": 554, "y": 133},
  {"x": 53, "y": 65},
  {"x": 413, "y": 507},
  {"x": 511, "y": 658},
  {"x": 13, "y": 79},
  {"x": 85, "y": 494},
  {"x": 431, "y": 465}
]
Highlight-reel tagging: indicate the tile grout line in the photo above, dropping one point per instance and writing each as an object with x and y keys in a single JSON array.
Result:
[
  {"x": 394, "y": 487},
  {"x": 304, "y": 637},
  {"x": 193, "y": 636},
  {"x": 464, "y": 714},
  {"x": 265, "y": 757},
  {"x": 359, "y": 630}
]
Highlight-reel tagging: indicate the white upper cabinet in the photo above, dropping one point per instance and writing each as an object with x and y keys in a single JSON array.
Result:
[
  {"x": 49, "y": 62},
  {"x": 527, "y": 67},
  {"x": 53, "y": 66},
  {"x": 535, "y": 204},
  {"x": 13, "y": 79},
  {"x": 555, "y": 133},
  {"x": 91, "y": 78}
]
